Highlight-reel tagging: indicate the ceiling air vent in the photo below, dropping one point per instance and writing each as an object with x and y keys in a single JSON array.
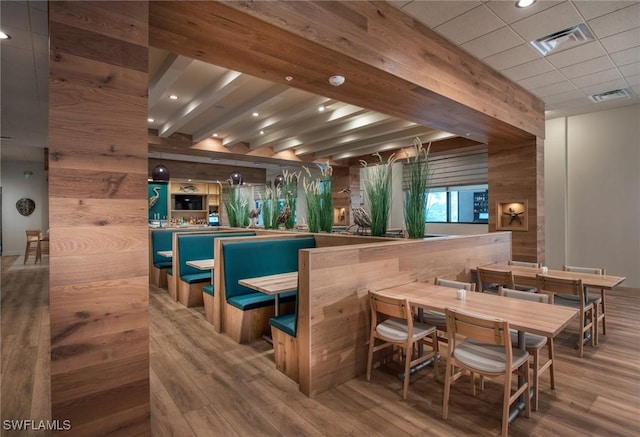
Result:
[
  {"x": 610, "y": 95},
  {"x": 562, "y": 40}
]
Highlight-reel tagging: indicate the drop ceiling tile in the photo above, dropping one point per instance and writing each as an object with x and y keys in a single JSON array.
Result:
[
  {"x": 507, "y": 11},
  {"x": 528, "y": 69},
  {"x": 548, "y": 78},
  {"x": 577, "y": 103},
  {"x": 630, "y": 69},
  {"x": 556, "y": 88},
  {"x": 14, "y": 14},
  {"x": 434, "y": 13},
  {"x": 399, "y": 3},
  {"x": 492, "y": 43},
  {"x": 512, "y": 57},
  {"x": 472, "y": 24},
  {"x": 547, "y": 22},
  {"x": 593, "y": 9},
  {"x": 633, "y": 80},
  {"x": 20, "y": 39},
  {"x": 616, "y": 22},
  {"x": 622, "y": 40},
  {"x": 39, "y": 22},
  {"x": 604, "y": 87},
  {"x": 625, "y": 57},
  {"x": 577, "y": 54},
  {"x": 587, "y": 67},
  {"x": 558, "y": 99},
  {"x": 597, "y": 78},
  {"x": 636, "y": 89}
]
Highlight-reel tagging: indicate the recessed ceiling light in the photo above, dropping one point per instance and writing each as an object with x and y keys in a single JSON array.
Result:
[
  {"x": 288, "y": 78},
  {"x": 4, "y": 35},
  {"x": 150, "y": 120},
  {"x": 255, "y": 114},
  {"x": 214, "y": 135},
  {"x": 173, "y": 97},
  {"x": 321, "y": 108},
  {"x": 524, "y": 3},
  {"x": 261, "y": 132}
]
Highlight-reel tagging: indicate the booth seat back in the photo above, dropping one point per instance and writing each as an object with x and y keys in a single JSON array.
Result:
[
  {"x": 161, "y": 240},
  {"x": 249, "y": 259},
  {"x": 199, "y": 246}
]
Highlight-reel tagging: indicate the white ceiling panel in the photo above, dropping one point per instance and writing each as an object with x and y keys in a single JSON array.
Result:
[
  {"x": 622, "y": 40},
  {"x": 434, "y": 13},
  {"x": 540, "y": 80},
  {"x": 556, "y": 88},
  {"x": 15, "y": 14},
  {"x": 564, "y": 97},
  {"x": 628, "y": 56},
  {"x": 39, "y": 21},
  {"x": 587, "y": 67},
  {"x": 616, "y": 22},
  {"x": 592, "y": 9},
  {"x": 507, "y": 12},
  {"x": 547, "y": 22},
  {"x": 577, "y": 54},
  {"x": 630, "y": 69},
  {"x": 633, "y": 80},
  {"x": 596, "y": 78},
  {"x": 470, "y": 25},
  {"x": 604, "y": 87},
  {"x": 492, "y": 43},
  {"x": 528, "y": 69},
  {"x": 512, "y": 57}
]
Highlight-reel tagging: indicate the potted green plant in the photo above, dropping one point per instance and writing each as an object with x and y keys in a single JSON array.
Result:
[
  {"x": 416, "y": 195},
  {"x": 237, "y": 207},
  {"x": 270, "y": 207},
  {"x": 290, "y": 191},
  {"x": 377, "y": 187}
]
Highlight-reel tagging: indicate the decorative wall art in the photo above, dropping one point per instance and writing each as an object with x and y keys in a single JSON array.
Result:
[
  {"x": 512, "y": 216},
  {"x": 25, "y": 206}
]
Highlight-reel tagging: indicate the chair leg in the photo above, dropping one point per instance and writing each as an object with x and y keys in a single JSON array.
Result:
[
  {"x": 436, "y": 350},
  {"x": 26, "y": 253},
  {"x": 527, "y": 398},
  {"x": 447, "y": 389},
  {"x": 581, "y": 336},
  {"x": 594, "y": 337},
  {"x": 552, "y": 372},
  {"x": 506, "y": 398},
  {"x": 407, "y": 373},
  {"x": 536, "y": 377},
  {"x": 370, "y": 357},
  {"x": 604, "y": 314}
]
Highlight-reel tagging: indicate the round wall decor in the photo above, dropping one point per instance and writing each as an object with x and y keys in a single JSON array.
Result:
[{"x": 25, "y": 206}]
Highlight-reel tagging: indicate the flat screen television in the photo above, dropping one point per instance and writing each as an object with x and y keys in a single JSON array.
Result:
[
  {"x": 214, "y": 220},
  {"x": 188, "y": 202}
]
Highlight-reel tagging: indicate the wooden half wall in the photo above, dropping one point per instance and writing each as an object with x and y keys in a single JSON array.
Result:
[
  {"x": 333, "y": 323},
  {"x": 98, "y": 217}
]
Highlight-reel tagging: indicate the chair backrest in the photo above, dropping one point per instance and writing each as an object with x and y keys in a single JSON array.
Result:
[
  {"x": 524, "y": 264},
  {"x": 493, "y": 276},
  {"x": 594, "y": 270},
  {"x": 383, "y": 307},
  {"x": 561, "y": 286},
  {"x": 469, "y": 286},
  {"x": 33, "y": 234},
  {"x": 517, "y": 294},
  {"x": 473, "y": 326}
]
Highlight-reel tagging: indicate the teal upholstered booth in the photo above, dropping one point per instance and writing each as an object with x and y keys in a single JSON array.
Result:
[{"x": 248, "y": 311}]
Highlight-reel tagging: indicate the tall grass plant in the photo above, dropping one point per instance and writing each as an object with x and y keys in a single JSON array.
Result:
[
  {"x": 377, "y": 187},
  {"x": 416, "y": 195}
]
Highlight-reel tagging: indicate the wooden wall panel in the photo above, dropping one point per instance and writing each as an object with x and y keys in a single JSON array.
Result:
[
  {"x": 392, "y": 63},
  {"x": 517, "y": 173},
  {"x": 333, "y": 324},
  {"x": 98, "y": 208}
]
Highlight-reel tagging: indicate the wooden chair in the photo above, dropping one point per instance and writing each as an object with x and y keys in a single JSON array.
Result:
[
  {"x": 534, "y": 343},
  {"x": 524, "y": 264},
  {"x": 489, "y": 280},
  {"x": 43, "y": 246},
  {"x": 597, "y": 301},
  {"x": 33, "y": 244},
  {"x": 392, "y": 323},
  {"x": 572, "y": 287},
  {"x": 486, "y": 350},
  {"x": 437, "y": 318}
]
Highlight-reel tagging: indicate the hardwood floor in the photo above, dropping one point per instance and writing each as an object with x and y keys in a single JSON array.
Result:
[{"x": 203, "y": 384}]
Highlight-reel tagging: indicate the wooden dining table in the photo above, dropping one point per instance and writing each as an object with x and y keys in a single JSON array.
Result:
[
  {"x": 203, "y": 264},
  {"x": 273, "y": 284},
  {"x": 527, "y": 276},
  {"x": 522, "y": 315}
]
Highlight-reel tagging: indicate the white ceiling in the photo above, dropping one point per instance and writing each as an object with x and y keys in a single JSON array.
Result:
[{"x": 215, "y": 100}]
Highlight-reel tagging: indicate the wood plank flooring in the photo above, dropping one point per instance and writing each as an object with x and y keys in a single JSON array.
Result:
[{"x": 203, "y": 384}]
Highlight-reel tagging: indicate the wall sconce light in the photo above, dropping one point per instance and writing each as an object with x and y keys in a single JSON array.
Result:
[
  {"x": 160, "y": 173},
  {"x": 27, "y": 174},
  {"x": 236, "y": 178}
]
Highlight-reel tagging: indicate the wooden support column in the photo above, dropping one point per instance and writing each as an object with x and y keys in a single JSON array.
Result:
[
  {"x": 516, "y": 172},
  {"x": 98, "y": 213}
]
